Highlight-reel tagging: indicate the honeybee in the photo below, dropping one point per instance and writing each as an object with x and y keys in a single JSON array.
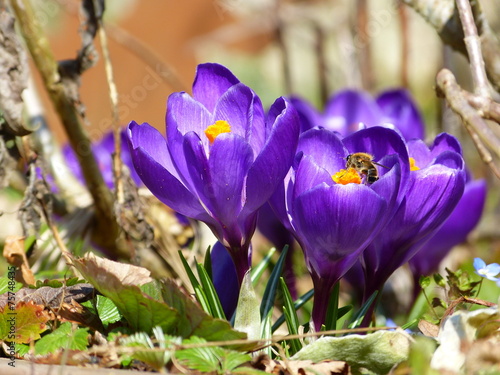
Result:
[{"x": 363, "y": 164}]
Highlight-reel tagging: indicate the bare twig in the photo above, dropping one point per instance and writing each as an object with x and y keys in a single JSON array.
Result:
[
  {"x": 365, "y": 56},
  {"x": 476, "y": 126},
  {"x": 42, "y": 55},
  {"x": 280, "y": 38},
  {"x": 443, "y": 16},
  {"x": 322, "y": 64},
  {"x": 473, "y": 45},
  {"x": 405, "y": 43}
]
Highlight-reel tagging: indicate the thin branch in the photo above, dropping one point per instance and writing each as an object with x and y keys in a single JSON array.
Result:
[
  {"x": 322, "y": 64},
  {"x": 443, "y": 16},
  {"x": 39, "y": 47},
  {"x": 473, "y": 45},
  {"x": 365, "y": 55},
  {"x": 280, "y": 38},
  {"x": 405, "y": 43},
  {"x": 476, "y": 126}
]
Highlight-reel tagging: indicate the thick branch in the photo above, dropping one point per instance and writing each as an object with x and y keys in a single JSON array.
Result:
[
  {"x": 473, "y": 45},
  {"x": 443, "y": 16},
  {"x": 479, "y": 130},
  {"x": 107, "y": 230}
]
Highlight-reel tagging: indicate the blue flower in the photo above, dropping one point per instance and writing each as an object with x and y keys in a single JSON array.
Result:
[{"x": 489, "y": 271}]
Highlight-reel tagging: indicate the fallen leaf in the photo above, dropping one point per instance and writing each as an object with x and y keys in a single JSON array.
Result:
[
  {"x": 22, "y": 324},
  {"x": 15, "y": 255},
  {"x": 427, "y": 328}
]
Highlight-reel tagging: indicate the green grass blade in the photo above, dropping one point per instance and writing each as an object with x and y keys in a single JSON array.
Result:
[
  {"x": 292, "y": 321},
  {"x": 299, "y": 302},
  {"x": 198, "y": 290},
  {"x": 358, "y": 317},
  {"x": 257, "y": 271},
  {"x": 272, "y": 285},
  {"x": 210, "y": 293},
  {"x": 333, "y": 308}
]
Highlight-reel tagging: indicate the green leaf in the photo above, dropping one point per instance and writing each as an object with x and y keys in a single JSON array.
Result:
[
  {"x": 378, "y": 352},
  {"x": 333, "y": 308},
  {"x": 105, "y": 309},
  {"x": 292, "y": 321},
  {"x": 9, "y": 285},
  {"x": 120, "y": 283},
  {"x": 63, "y": 338},
  {"x": 22, "y": 323},
  {"x": 358, "y": 317},
  {"x": 153, "y": 357},
  {"x": 209, "y": 359},
  {"x": 198, "y": 290},
  {"x": 299, "y": 302},
  {"x": 207, "y": 263},
  {"x": 272, "y": 285},
  {"x": 256, "y": 272},
  {"x": 210, "y": 293},
  {"x": 192, "y": 320},
  {"x": 247, "y": 317}
]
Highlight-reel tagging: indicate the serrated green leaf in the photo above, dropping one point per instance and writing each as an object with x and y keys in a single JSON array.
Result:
[
  {"x": 192, "y": 320},
  {"x": 210, "y": 359},
  {"x": 23, "y": 323},
  {"x": 154, "y": 358},
  {"x": 63, "y": 338},
  {"x": 120, "y": 283},
  {"x": 107, "y": 310},
  {"x": 9, "y": 285}
]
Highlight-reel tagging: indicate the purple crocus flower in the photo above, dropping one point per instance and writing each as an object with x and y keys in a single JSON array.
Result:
[
  {"x": 334, "y": 222},
  {"x": 222, "y": 157},
  {"x": 103, "y": 150},
  {"x": 347, "y": 109},
  {"x": 454, "y": 231},
  {"x": 435, "y": 186}
]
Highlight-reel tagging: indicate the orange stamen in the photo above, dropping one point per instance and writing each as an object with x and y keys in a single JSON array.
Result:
[
  {"x": 348, "y": 176},
  {"x": 219, "y": 127}
]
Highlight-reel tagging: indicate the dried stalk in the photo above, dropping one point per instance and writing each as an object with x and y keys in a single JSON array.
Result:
[{"x": 106, "y": 230}]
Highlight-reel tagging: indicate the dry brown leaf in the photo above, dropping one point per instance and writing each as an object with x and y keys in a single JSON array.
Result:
[
  {"x": 126, "y": 273},
  {"x": 14, "y": 253},
  {"x": 428, "y": 328},
  {"x": 52, "y": 298},
  {"x": 264, "y": 363}
]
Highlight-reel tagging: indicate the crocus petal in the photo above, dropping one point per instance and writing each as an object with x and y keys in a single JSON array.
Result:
[
  {"x": 274, "y": 160},
  {"x": 350, "y": 107},
  {"x": 454, "y": 231},
  {"x": 229, "y": 162},
  {"x": 211, "y": 82},
  {"x": 445, "y": 142},
  {"x": 184, "y": 114},
  {"x": 153, "y": 165},
  {"x": 331, "y": 224},
  {"x": 325, "y": 148},
  {"x": 400, "y": 109},
  {"x": 309, "y": 116},
  {"x": 242, "y": 109},
  {"x": 309, "y": 175},
  {"x": 419, "y": 151}
]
